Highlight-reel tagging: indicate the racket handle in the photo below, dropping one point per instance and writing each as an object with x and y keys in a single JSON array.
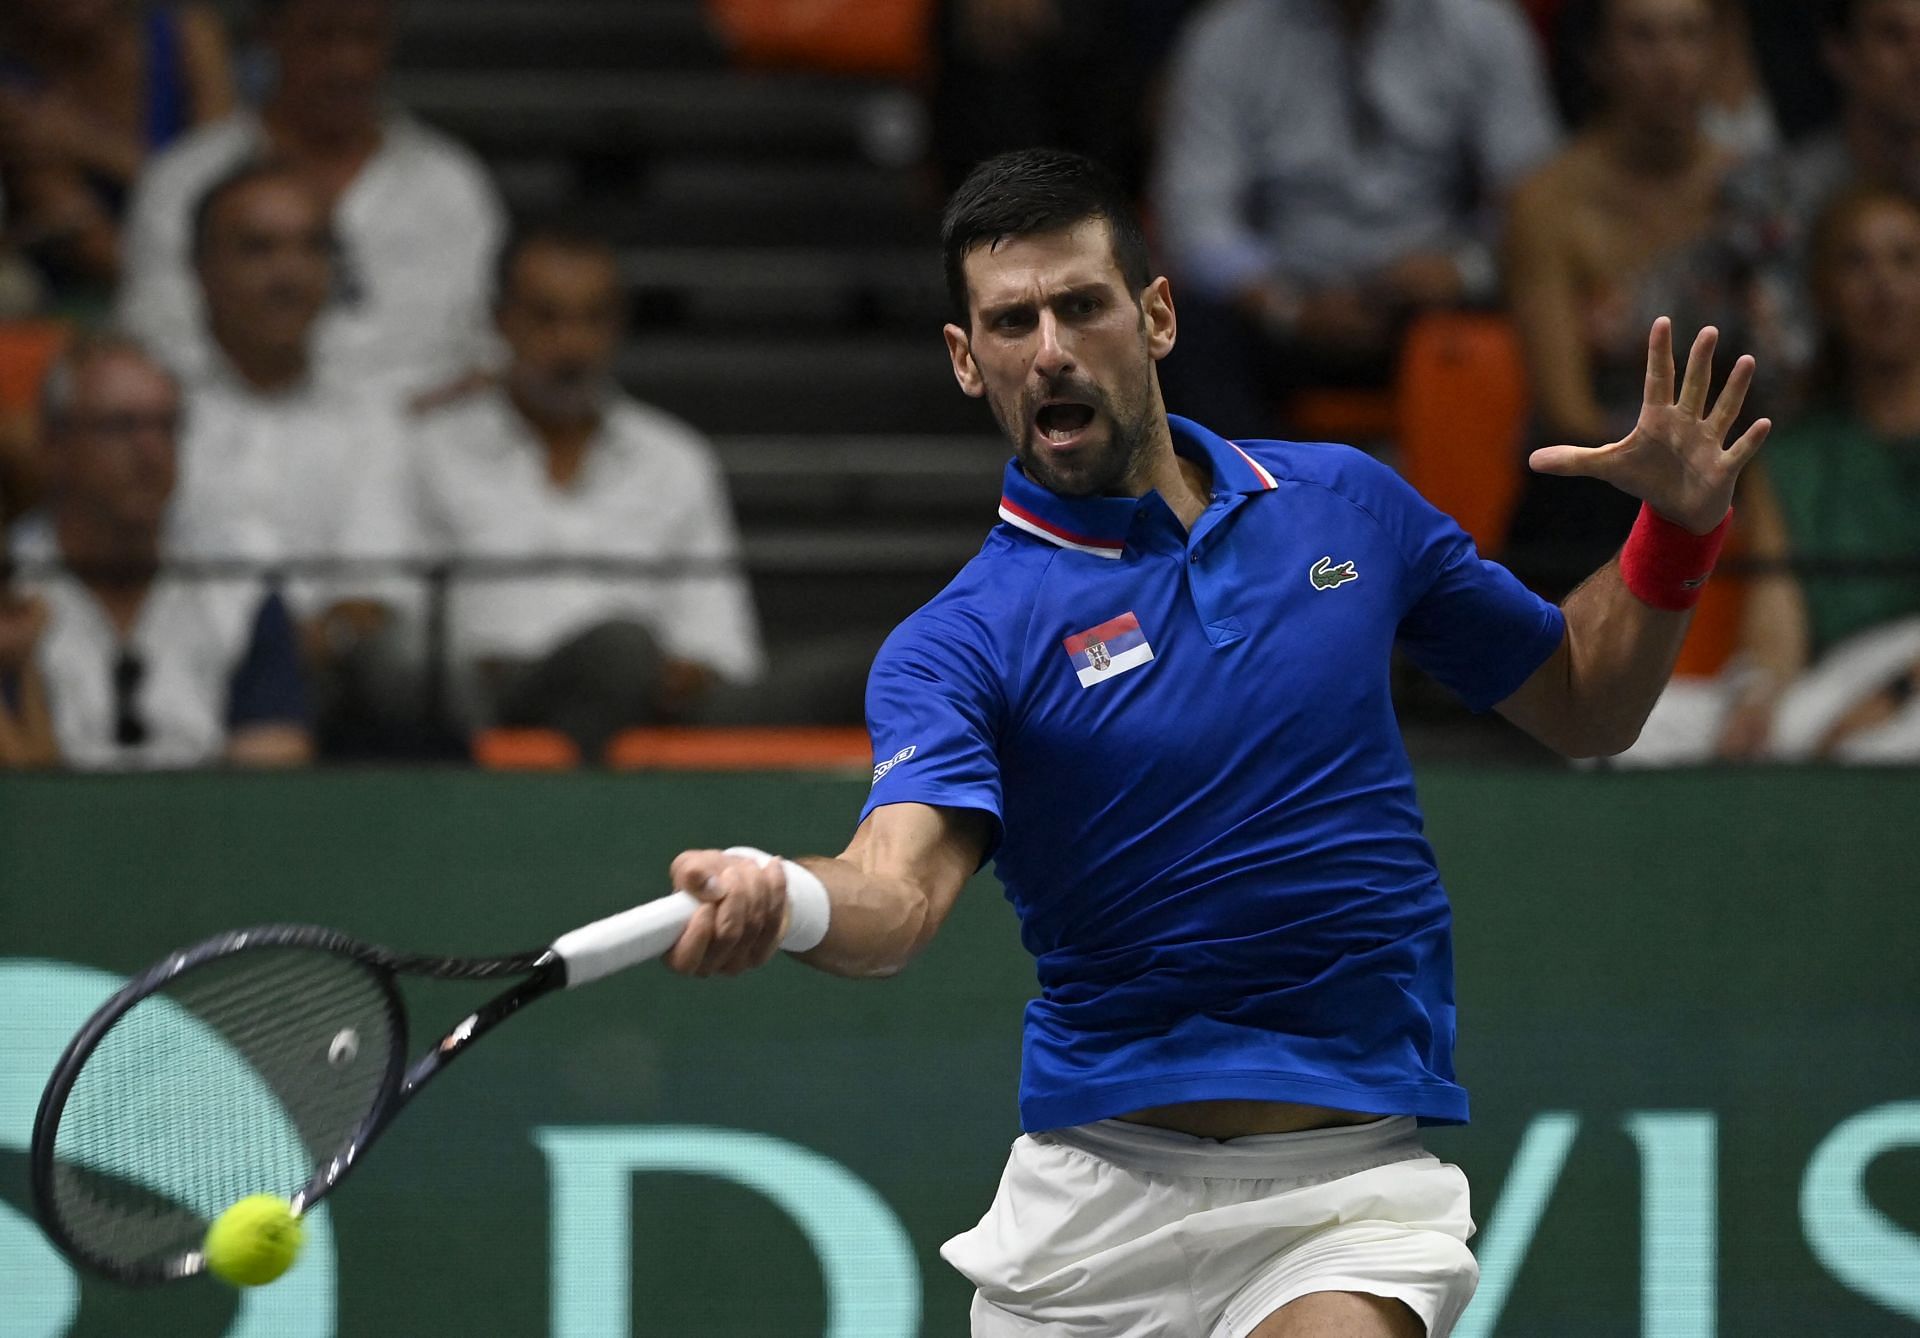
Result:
[
  {"x": 624, "y": 940},
  {"x": 649, "y": 929}
]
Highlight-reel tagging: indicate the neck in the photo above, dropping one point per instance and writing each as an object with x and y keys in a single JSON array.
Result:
[
  {"x": 1887, "y": 396},
  {"x": 303, "y": 139},
  {"x": 1885, "y": 153},
  {"x": 1354, "y": 13},
  {"x": 564, "y": 439},
  {"x": 113, "y": 561},
  {"x": 1650, "y": 150},
  {"x": 1183, "y": 484},
  {"x": 270, "y": 370}
]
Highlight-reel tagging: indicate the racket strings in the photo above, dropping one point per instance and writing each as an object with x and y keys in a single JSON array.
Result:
[{"x": 238, "y": 1078}]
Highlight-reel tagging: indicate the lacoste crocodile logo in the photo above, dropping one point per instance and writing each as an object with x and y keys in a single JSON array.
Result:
[{"x": 1326, "y": 576}]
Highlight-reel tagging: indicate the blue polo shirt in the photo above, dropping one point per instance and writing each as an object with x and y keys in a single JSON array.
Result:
[{"x": 1206, "y": 816}]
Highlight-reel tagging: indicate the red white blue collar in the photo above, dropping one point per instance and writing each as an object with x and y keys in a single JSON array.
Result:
[{"x": 1099, "y": 525}]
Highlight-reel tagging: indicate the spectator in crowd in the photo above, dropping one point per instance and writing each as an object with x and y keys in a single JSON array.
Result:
[
  {"x": 1617, "y": 229},
  {"x": 1736, "y": 110},
  {"x": 88, "y": 89},
  {"x": 1837, "y": 502},
  {"x": 555, "y": 463},
  {"x": 416, "y": 221},
  {"x": 1076, "y": 74},
  {"x": 1327, "y": 168},
  {"x": 278, "y": 466},
  {"x": 1873, "y": 49},
  {"x": 144, "y": 666}
]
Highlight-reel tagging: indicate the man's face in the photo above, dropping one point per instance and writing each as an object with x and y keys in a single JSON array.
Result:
[
  {"x": 562, "y": 316},
  {"x": 265, "y": 265},
  {"x": 1872, "y": 295},
  {"x": 1063, "y": 353},
  {"x": 115, "y": 449},
  {"x": 1878, "y": 62},
  {"x": 1653, "y": 59},
  {"x": 333, "y": 57}
]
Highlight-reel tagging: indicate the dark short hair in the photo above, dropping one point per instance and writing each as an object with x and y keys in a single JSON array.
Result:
[
  {"x": 558, "y": 234},
  {"x": 1840, "y": 14},
  {"x": 1032, "y": 191},
  {"x": 250, "y": 172}
]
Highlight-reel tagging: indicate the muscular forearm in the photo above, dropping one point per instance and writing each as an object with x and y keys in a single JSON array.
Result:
[
  {"x": 879, "y": 924},
  {"x": 1619, "y": 653},
  {"x": 886, "y": 895}
]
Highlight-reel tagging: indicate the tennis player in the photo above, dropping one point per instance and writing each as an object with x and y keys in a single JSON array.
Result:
[{"x": 1159, "y": 700}]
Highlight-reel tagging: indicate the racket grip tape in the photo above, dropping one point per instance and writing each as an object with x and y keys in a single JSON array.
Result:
[{"x": 648, "y": 930}]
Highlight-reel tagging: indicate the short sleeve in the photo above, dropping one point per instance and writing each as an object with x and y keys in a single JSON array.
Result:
[
  {"x": 1469, "y": 622},
  {"x": 935, "y": 707}
]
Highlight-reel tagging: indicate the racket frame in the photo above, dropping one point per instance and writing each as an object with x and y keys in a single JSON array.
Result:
[{"x": 541, "y": 972}]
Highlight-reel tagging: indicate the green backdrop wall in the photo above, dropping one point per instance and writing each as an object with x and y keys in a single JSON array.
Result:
[{"x": 1690, "y": 1009}]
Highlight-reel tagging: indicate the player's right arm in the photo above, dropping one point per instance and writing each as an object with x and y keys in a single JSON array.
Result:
[{"x": 889, "y": 892}]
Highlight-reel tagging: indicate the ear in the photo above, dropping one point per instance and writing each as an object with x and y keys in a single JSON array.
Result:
[
  {"x": 960, "y": 351},
  {"x": 1156, "y": 310}
]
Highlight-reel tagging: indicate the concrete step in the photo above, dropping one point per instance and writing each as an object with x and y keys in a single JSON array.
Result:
[
  {"x": 763, "y": 288},
  {"x": 798, "y": 384},
  {"x": 556, "y": 35},
  {"x": 625, "y": 113},
  {"x": 784, "y": 475}
]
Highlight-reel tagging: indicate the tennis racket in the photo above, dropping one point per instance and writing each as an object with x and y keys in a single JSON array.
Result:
[{"x": 264, "y": 1061}]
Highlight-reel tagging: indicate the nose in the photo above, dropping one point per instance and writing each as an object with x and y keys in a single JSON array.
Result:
[{"x": 1052, "y": 358}]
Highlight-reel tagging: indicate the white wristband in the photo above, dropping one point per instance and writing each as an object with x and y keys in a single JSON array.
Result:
[{"x": 808, "y": 907}]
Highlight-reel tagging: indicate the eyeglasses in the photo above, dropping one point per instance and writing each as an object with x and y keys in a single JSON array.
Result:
[
  {"x": 129, "y": 725},
  {"x": 120, "y": 426}
]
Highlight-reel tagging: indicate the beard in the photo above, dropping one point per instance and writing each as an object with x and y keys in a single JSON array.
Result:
[
  {"x": 1096, "y": 467},
  {"x": 572, "y": 396}
]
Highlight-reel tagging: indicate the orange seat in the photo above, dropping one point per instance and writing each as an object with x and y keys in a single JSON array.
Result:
[
  {"x": 501, "y": 749},
  {"x": 865, "y": 37},
  {"x": 1463, "y": 405},
  {"x": 1342, "y": 415},
  {"x": 27, "y": 349},
  {"x": 772, "y": 749}
]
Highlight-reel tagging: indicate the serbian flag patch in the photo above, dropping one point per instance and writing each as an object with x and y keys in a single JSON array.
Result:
[{"x": 1109, "y": 650}]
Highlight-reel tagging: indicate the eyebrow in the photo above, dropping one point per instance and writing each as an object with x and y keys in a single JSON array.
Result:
[{"x": 1091, "y": 288}]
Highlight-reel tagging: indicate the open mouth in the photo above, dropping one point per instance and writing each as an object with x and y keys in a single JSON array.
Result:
[{"x": 1062, "y": 423}]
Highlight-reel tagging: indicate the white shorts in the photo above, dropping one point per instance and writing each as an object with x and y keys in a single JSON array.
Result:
[{"x": 1116, "y": 1230}]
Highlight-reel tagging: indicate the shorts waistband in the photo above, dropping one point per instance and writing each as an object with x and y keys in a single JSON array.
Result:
[{"x": 1307, "y": 1154}]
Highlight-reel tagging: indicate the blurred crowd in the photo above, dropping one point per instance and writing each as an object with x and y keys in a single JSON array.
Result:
[{"x": 306, "y": 340}]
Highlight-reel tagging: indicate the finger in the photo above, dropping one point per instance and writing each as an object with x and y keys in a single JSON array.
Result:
[
  {"x": 1699, "y": 377},
  {"x": 694, "y": 871},
  {"x": 690, "y": 949},
  {"x": 1749, "y": 444},
  {"x": 759, "y": 907},
  {"x": 1660, "y": 362},
  {"x": 1732, "y": 396},
  {"x": 1567, "y": 461}
]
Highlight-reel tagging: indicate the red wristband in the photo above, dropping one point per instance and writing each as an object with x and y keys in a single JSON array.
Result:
[{"x": 1666, "y": 565}]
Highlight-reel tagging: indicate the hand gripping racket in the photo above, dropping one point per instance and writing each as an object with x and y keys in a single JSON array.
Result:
[{"x": 266, "y": 1061}]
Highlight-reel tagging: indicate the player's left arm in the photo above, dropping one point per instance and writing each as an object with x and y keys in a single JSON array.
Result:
[{"x": 1594, "y": 693}]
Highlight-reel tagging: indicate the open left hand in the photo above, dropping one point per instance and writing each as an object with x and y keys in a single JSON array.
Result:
[{"x": 1676, "y": 458}]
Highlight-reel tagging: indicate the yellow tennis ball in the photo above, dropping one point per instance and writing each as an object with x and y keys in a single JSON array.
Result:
[{"x": 254, "y": 1241}]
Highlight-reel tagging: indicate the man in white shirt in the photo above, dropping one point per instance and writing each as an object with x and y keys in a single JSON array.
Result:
[
  {"x": 278, "y": 467},
  {"x": 416, "y": 219},
  {"x": 144, "y": 666},
  {"x": 555, "y": 463}
]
